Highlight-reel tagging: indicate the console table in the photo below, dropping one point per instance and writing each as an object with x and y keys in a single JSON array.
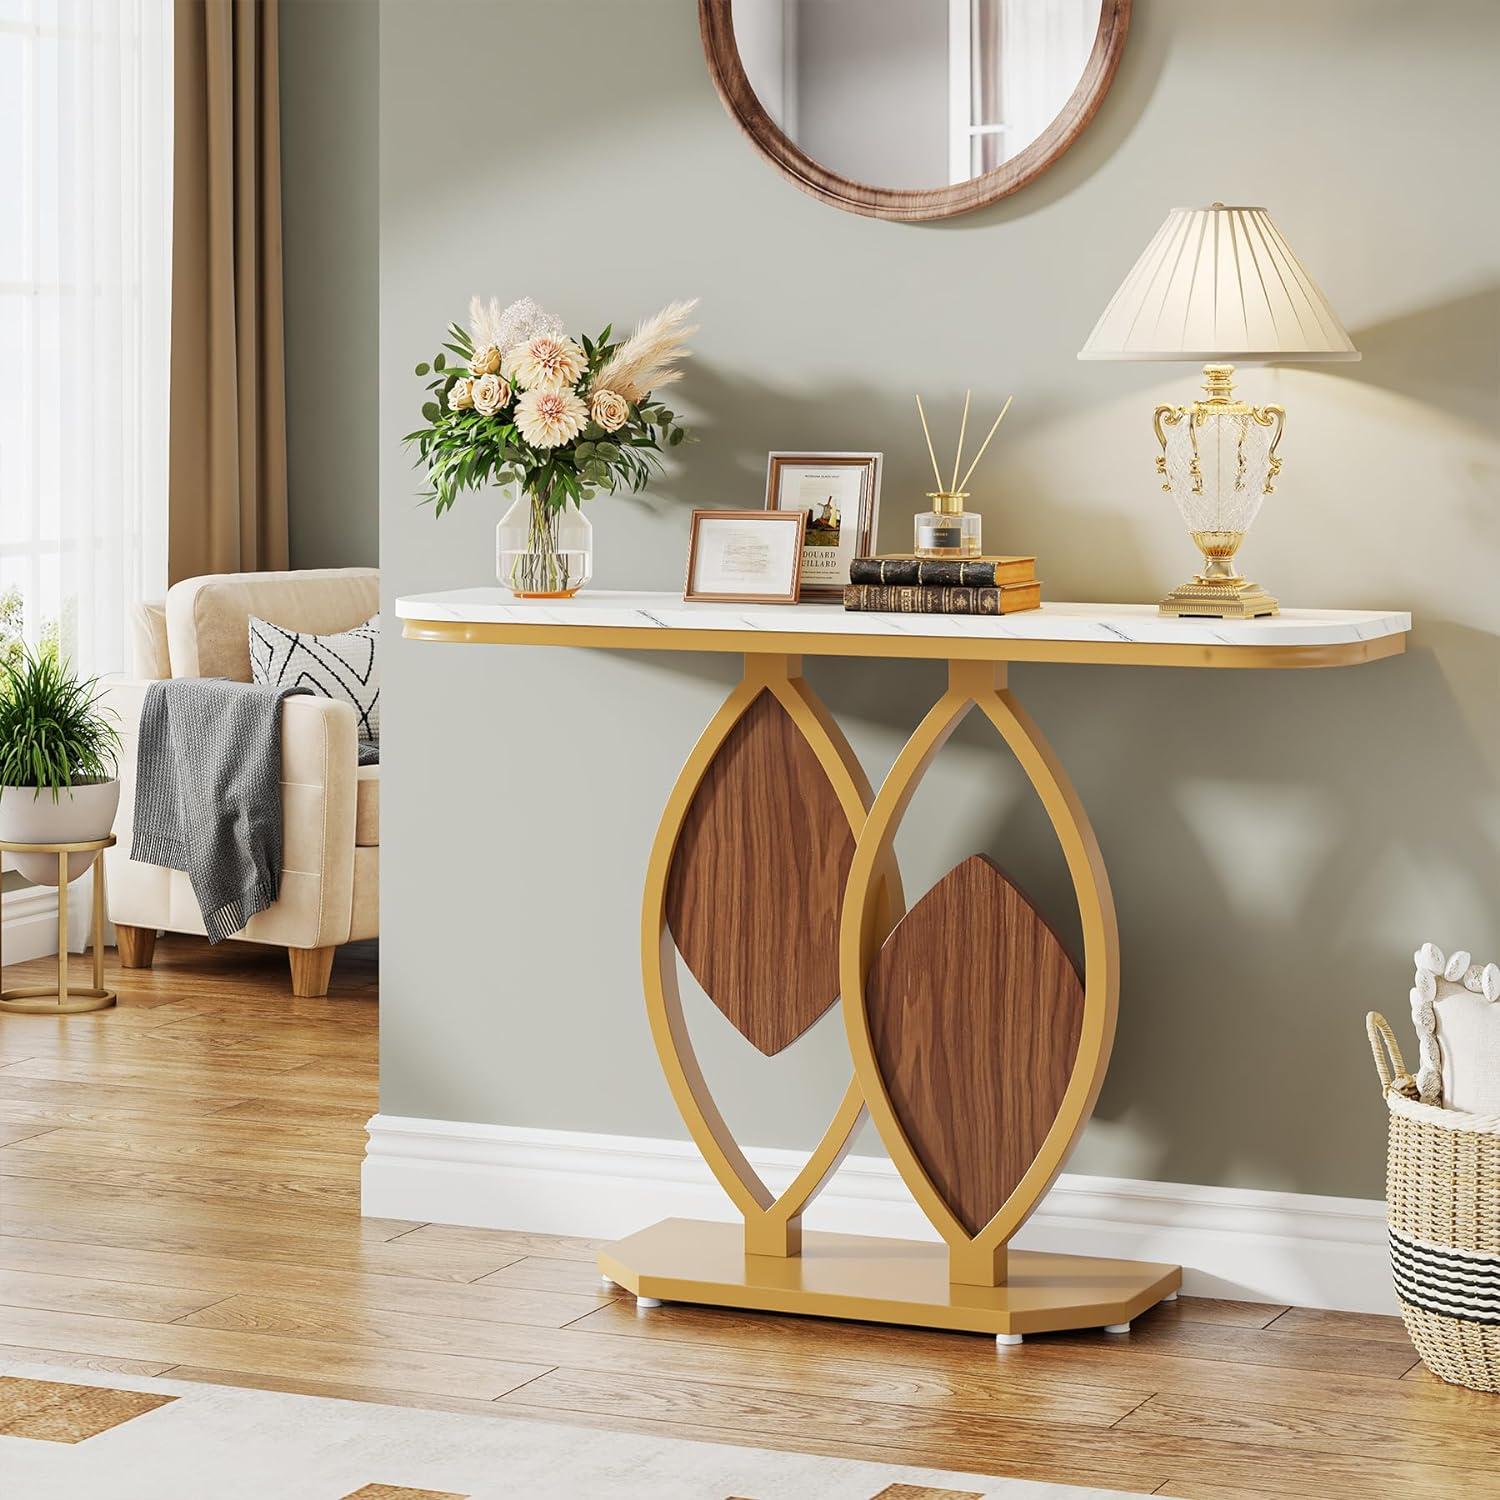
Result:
[{"x": 978, "y": 1044}]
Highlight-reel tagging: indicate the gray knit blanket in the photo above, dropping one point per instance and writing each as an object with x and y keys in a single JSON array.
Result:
[{"x": 208, "y": 793}]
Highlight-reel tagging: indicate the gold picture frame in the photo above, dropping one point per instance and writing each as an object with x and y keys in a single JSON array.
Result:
[
  {"x": 724, "y": 552},
  {"x": 824, "y": 487}
]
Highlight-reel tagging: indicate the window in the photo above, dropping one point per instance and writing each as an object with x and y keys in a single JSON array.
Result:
[
  {"x": 85, "y": 236},
  {"x": 1012, "y": 65}
]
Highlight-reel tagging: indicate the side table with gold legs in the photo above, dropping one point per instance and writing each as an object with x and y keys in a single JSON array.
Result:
[
  {"x": 64, "y": 1000},
  {"x": 977, "y": 1043}
]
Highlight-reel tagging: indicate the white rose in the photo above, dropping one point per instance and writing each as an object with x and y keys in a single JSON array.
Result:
[
  {"x": 461, "y": 394},
  {"x": 490, "y": 393},
  {"x": 486, "y": 360},
  {"x": 609, "y": 409}
]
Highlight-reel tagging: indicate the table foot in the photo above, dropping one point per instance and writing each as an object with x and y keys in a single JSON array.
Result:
[
  {"x": 1009, "y": 1338},
  {"x": 1119, "y": 1327},
  {"x": 648, "y": 1301}
]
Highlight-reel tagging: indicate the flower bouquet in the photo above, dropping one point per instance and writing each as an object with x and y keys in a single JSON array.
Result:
[{"x": 515, "y": 401}]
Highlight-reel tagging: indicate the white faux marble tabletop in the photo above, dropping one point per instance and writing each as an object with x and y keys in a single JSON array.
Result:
[{"x": 1100, "y": 623}]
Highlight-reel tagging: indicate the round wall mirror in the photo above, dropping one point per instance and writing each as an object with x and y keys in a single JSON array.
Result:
[{"x": 912, "y": 109}]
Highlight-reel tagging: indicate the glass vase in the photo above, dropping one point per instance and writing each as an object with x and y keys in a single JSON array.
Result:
[{"x": 543, "y": 551}]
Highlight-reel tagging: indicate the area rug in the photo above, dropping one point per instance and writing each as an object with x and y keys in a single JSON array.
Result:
[{"x": 67, "y": 1434}]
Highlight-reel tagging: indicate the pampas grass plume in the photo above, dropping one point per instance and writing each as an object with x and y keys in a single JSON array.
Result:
[{"x": 646, "y": 360}]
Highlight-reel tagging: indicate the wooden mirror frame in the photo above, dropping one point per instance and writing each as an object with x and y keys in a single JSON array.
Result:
[{"x": 716, "y": 24}]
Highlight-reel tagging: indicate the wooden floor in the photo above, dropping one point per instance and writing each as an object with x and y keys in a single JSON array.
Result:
[{"x": 179, "y": 1193}]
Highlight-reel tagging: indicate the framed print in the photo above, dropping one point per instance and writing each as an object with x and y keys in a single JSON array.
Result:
[
  {"x": 751, "y": 556},
  {"x": 839, "y": 493}
]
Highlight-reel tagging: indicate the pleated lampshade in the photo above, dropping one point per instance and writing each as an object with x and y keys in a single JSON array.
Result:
[{"x": 1218, "y": 283}]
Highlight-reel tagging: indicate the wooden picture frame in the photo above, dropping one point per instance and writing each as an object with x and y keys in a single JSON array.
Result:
[
  {"x": 716, "y": 28},
  {"x": 720, "y": 551},
  {"x": 850, "y": 539}
]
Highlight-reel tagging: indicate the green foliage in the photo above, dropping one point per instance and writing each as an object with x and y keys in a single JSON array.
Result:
[
  {"x": 466, "y": 450},
  {"x": 11, "y": 623},
  {"x": 12, "y": 627},
  {"x": 52, "y": 731}
]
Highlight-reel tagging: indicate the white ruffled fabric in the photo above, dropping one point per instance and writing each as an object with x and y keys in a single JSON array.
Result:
[{"x": 1454, "y": 1010}]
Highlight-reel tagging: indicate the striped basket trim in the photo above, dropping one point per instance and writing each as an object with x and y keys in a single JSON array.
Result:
[{"x": 1463, "y": 1284}]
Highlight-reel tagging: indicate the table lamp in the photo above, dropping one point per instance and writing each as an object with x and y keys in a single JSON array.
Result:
[{"x": 1219, "y": 285}]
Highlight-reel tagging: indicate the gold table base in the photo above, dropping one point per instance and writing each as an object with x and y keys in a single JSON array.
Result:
[
  {"x": 872, "y": 1280},
  {"x": 65, "y": 1000}
]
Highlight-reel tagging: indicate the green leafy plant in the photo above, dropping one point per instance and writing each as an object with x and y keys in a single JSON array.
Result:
[{"x": 52, "y": 731}]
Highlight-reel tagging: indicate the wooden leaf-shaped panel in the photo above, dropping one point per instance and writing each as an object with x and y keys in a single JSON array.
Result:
[
  {"x": 975, "y": 1011},
  {"x": 757, "y": 879}
]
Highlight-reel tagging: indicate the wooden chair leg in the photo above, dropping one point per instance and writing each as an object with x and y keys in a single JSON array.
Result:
[
  {"x": 311, "y": 970},
  {"x": 137, "y": 946}
]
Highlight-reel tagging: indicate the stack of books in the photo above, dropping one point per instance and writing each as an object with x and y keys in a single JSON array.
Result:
[{"x": 943, "y": 585}]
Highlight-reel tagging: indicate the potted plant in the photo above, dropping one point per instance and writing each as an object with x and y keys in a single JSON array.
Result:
[
  {"x": 58, "y": 753},
  {"x": 515, "y": 401}
]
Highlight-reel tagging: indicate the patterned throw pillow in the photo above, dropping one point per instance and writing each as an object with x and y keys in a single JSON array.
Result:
[{"x": 334, "y": 666}]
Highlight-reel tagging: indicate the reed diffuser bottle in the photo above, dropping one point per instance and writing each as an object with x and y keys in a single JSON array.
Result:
[{"x": 947, "y": 529}]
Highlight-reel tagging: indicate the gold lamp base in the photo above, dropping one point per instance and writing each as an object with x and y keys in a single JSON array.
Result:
[
  {"x": 1219, "y": 592},
  {"x": 1239, "y": 600}
]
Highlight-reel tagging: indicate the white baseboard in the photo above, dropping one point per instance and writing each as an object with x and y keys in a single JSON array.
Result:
[
  {"x": 30, "y": 923},
  {"x": 1231, "y": 1242}
]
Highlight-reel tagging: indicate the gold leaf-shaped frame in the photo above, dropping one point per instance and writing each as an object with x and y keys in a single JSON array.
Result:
[
  {"x": 772, "y": 1223},
  {"x": 977, "y": 1255}
]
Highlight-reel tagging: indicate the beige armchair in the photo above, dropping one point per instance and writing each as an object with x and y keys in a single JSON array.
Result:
[{"x": 330, "y": 878}]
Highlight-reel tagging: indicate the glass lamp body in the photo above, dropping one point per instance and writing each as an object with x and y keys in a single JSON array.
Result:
[
  {"x": 1218, "y": 468},
  {"x": 1219, "y": 462},
  {"x": 542, "y": 551}
]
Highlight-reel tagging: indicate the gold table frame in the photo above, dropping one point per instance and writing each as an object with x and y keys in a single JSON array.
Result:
[
  {"x": 968, "y": 1281},
  {"x": 66, "y": 1000}
]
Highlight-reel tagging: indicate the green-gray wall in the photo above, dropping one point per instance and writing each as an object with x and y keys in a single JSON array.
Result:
[
  {"x": 1279, "y": 842},
  {"x": 330, "y": 184}
]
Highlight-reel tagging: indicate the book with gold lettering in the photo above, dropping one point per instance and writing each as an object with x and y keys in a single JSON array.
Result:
[
  {"x": 943, "y": 572},
  {"x": 929, "y": 599}
]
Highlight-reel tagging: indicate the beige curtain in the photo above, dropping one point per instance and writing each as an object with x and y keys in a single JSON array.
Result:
[{"x": 227, "y": 466}]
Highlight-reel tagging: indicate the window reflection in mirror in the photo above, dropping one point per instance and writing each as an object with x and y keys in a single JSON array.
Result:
[{"x": 914, "y": 94}]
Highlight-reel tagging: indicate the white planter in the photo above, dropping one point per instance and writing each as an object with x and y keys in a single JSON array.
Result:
[{"x": 28, "y": 815}]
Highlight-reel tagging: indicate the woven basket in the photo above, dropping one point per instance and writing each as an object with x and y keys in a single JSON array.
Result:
[{"x": 1443, "y": 1210}]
